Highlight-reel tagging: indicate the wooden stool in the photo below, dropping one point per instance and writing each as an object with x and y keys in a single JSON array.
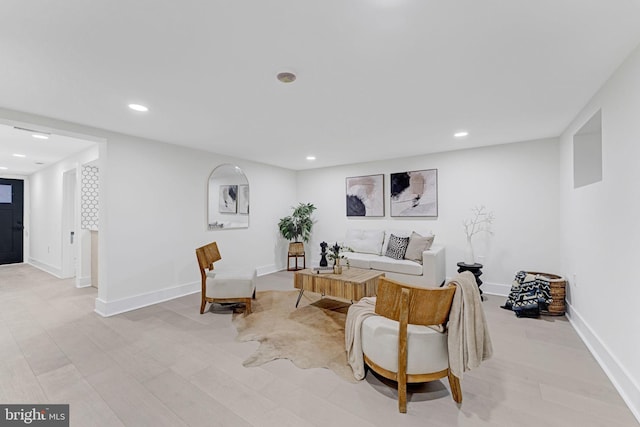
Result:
[{"x": 296, "y": 250}]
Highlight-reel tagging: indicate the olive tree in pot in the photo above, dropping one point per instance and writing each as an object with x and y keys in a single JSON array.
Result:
[{"x": 297, "y": 226}]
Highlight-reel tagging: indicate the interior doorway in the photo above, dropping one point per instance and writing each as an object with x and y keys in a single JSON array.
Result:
[{"x": 11, "y": 220}]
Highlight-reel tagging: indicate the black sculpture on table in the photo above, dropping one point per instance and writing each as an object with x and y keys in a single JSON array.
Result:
[{"x": 323, "y": 254}]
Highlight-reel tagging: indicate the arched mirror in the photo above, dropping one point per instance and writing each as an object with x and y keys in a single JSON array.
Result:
[{"x": 228, "y": 193}]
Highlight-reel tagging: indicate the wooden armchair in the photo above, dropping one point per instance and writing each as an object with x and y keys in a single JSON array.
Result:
[
  {"x": 224, "y": 285},
  {"x": 398, "y": 345}
]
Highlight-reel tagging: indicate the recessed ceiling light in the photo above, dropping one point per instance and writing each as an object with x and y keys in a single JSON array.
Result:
[
  {"x": 3, "y": 168},
  {"x": 19, "y": 155},
  {"x": 311, "y": 157},
  {"x": 461, "y": 134},
  {"x": 286, "y": 77},
  {"x": 40, "y": 136},
  {"x": 138, "y": 107}
]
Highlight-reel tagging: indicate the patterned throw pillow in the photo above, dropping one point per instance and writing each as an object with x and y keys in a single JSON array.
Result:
[{"x": 397, "y": 247}]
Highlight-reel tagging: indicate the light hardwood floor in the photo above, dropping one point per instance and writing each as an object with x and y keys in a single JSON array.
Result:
[{"x": 167, "y": 365}]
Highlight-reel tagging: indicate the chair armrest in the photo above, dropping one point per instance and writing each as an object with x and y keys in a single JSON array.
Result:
[{"x": 434, "y": 265}]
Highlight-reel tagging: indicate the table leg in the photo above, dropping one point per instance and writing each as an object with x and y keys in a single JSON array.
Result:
[{"x": 299, "y": 296}]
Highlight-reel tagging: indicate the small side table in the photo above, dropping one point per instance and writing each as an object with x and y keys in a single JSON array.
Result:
[{"x": 476, "y": 269}]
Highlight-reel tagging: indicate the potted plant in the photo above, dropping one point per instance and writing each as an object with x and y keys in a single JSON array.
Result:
[
  {"x": 335, "y": 255},
  {"x": 298, "y": 224}
]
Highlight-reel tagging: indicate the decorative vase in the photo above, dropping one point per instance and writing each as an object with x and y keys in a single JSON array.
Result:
[
  {"x": 469, "y": 257},
  {"x": 337, "y": 268}
]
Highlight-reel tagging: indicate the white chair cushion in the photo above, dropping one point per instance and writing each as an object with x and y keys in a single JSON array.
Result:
[
  {"x": 426, "y": 348},
  {"x": 232, "y": 283}
]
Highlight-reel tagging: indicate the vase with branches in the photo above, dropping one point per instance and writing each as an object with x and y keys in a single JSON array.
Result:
[{"x": 480, "y": 222}]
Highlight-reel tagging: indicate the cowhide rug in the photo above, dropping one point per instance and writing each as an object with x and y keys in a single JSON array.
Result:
[{"x": 311, "y": 336}]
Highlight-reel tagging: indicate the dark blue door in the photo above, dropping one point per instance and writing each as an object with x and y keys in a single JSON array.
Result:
[{"x": 11, "y": 217}]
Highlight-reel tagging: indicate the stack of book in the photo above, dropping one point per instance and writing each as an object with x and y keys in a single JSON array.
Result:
[{"x": 321, "y": 270}]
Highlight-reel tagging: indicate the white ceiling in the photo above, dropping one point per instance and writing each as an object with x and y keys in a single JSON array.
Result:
[
  {"x": 38, "y": 153},
  {"x": 376, "y": 79}
]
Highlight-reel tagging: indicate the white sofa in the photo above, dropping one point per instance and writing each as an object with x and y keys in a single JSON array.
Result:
[{"x": 369, "y": 249}]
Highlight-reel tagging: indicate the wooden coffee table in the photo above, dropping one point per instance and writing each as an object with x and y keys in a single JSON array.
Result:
[{"x": 352, "y": 284}]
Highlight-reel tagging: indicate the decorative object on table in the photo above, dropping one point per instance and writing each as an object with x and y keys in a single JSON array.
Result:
[
  {"x": 323, "y": 254},
  {"x": 365, "y": 195},
  {"x": 530, "y": 294},
  {"x": 335, "y": 255},
  {"x": 479, "y": 222},
  {"x": 297, "y": 226},
  {"x": 475, "y": 269},
  {"x": 228, "y": 200},
  {"x": 311, "y": 336},
  {"x": 414, "y": 193}
]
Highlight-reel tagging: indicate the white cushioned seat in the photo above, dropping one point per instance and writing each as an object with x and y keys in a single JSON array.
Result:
[
  {"x": 391, "y": 265},
  {"x": 359, "y": 260},
  {"x": 427, "y": 347},
  {"x": 231, "y": 283}
]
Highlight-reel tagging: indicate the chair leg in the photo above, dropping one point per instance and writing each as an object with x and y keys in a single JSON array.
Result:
[
  {"x": 456, "y": 390},
  {"x": 202, "y": 304},
  {"x": 402, "y": 393}
]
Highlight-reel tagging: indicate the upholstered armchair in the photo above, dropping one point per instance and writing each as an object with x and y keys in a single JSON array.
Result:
[{"x": 222, "y": 285}]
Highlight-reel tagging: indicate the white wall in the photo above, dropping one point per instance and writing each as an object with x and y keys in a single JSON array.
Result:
[
  {"x": 156, "y": 215},
  {"x": 518, "y": 182},
  {"x": 45, "y": 212},
  {"x": 600, "y": 230}
]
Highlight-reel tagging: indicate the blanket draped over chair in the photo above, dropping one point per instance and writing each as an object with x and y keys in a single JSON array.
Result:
[
  {"x": 529, "y": 294},
  {"x": 468, "y": 339}
]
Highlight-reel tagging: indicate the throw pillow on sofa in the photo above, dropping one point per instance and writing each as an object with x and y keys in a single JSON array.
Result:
[
  {"x": 417, "y": 245},
  {"x": 397, "y": 247}
]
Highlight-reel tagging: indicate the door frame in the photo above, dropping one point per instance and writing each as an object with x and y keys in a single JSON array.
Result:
[{"x": 70, "y": 208}]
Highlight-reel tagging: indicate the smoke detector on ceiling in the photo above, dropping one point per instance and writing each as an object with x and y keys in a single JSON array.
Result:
[{"x": 286, "y": 77}]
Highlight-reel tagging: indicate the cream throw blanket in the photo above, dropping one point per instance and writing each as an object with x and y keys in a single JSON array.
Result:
[
  {"x": 357, "y": 313},
  {"x": 468, "y": 341}
]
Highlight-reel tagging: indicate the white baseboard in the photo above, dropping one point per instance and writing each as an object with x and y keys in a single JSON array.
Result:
[
  {"x": 111, "y": 308},
  {"x": 617, "y": 373},
  {"x": 46, "y": 268},
  {"x": 83, "y": 282},
  {"x": 496, "y": 289},
  {"x": 267, "y": 269}
]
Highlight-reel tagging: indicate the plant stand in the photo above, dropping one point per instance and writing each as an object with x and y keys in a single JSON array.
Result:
[{"x": 296, "y": 250}]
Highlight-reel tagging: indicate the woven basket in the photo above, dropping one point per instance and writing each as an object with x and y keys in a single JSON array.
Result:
[{"x": 557, "y": 286}]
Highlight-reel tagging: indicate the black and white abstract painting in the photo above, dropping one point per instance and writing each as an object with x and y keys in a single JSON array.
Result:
[
  {"x": 365, "y": 195},
  {"x": 243, "y": 199},
  {"x": 228, "y": 201},
  {"x": 414, "y": 193}
]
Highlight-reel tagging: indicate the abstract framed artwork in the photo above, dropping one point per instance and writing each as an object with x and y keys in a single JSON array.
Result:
[
  {"x": 243, "y": 199},
  {"x": 365, "y": 195},
  {"x": 414, "y": 193},
  {"x": 228, "y": 200}
]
